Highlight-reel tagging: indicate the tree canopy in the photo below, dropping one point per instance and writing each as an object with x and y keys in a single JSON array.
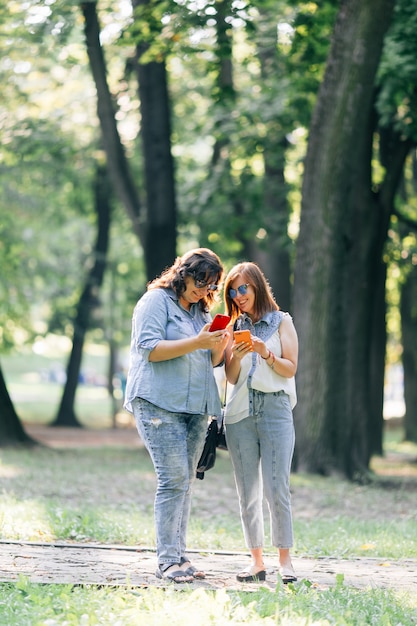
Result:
[{"x": 202, "y": 114}]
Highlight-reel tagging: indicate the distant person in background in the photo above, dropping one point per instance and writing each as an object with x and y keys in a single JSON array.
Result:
[
  {"x": 258, "y": 415},
  {"x": 171, "y": 391}
]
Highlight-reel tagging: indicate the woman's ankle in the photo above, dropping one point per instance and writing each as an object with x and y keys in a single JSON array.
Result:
[{"x": 257, "y": 566}]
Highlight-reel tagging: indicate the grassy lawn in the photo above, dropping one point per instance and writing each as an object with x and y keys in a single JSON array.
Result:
[
  {"x": 35, "y": 383},
  {"x": 106, "y": 495},
  {"x": 29, "y": 604}
]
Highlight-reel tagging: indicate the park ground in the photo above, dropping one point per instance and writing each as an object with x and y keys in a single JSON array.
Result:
[{"x": 120, "y": 565}]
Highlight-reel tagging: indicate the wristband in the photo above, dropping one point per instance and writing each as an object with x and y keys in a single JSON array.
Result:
[{"x": 270, "y": 355}]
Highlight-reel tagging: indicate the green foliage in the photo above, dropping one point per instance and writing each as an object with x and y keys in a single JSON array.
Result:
[
  {"x": 397, "y": 79},
  {"x": 146, "y": 28},
  {"x": 28, "y": 603},
  {"x": 308, "y": 46},
  {"x": 14, "y": 307},
  {"x": 336, "y": 606},
  {"x": 47, "y": 162},
  {"x": 221, "y": 175},
  {"x": 49, "y": 142},
  {"x": 44, "y": 175}
]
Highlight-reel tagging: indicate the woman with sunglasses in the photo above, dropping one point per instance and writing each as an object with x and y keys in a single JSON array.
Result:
[
  {"x": 258, "y": 414},
  {"x": 171, "y": 391}
]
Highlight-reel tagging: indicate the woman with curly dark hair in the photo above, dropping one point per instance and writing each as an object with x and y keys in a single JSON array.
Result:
[{"x": 171, "y": 391}]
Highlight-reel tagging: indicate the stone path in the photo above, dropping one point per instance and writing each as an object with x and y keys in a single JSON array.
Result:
[{"x": 132, "y": 566}]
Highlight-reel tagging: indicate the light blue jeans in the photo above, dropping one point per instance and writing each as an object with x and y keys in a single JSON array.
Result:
[
  {"x": 261, "y": 448},
  {"x": 175, "y": 442}
]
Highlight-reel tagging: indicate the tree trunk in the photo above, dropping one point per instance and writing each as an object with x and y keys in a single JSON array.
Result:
[
  {"x": 393, "y": 153},
  {"x": 378, "y": 334},
  {"x": 66, "y": 414},
  {"x": 118, "y": 166},
  {"x": 12, "y": 432},
  {"x": 274, "y": 252},
  {"x": 409, "y": 333},
  {"x": 332, "y": 275},
  {"x": 161, "y": 221}
]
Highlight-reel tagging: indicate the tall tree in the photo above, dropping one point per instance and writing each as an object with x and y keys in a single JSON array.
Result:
[
  {"x": 119, "y": 169},
  {"x": 409, "y": 329},
  {"x": 11, "y": 429},
  {"x": 397, "y": 107},
  {"x": 88, "y": 300},
  {"x": 248, "y": 130},
  {"x": 155, "y": 106},
  {"x": 157, "y": 229},
  {"x": 273, "y": 252},
  {"x": 336, "y": 248}
]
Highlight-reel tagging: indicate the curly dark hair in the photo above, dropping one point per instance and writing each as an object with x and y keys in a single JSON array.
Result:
[{"x": 200, "y": 264}]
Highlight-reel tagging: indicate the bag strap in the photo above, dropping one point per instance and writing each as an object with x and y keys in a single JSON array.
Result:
[{"x": 224, "y": 394}]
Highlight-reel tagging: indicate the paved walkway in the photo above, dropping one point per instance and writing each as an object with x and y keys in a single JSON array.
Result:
[{"x": 132, "y": 566}]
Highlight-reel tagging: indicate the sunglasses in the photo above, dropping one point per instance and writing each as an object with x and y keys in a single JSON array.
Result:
[
  {"x": 242, "y": 289},
  {"x": 203, "y": 284}
]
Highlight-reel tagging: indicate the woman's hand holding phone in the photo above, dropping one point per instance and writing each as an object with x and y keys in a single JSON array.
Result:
[
  {"x": 219, "y": 322},
  {"x": 242, "y": 343}
]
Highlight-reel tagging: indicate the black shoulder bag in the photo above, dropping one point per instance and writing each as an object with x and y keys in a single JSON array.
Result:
[{"x": 215, "y": 438}]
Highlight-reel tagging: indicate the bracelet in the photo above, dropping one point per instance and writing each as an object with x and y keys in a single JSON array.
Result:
[{"x": 270, "y": 354}]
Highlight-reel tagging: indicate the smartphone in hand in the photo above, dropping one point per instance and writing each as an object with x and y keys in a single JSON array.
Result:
[
  {"x": 219, "y": 322},
  {"x": 243, "y": 335}
]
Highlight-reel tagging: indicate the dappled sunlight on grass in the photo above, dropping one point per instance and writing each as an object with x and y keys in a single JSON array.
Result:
[
  {"x": 106, "y": 494},
  {"x": 344, "y": 537},
  {"x": 304, "y": 605},
  {"x": 10, "y": 471},
  {"x": 393, "y": 465},
  {"x": 38, "y": 402},
  {"x": 35, "y": 381},
  {"x": 103, "y": 525},
  {"x": 399, "y": 459},
  {"x": 26, "y": 520}
]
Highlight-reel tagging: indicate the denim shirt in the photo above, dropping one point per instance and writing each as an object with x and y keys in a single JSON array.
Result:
[{"x": 184, "y": 384}]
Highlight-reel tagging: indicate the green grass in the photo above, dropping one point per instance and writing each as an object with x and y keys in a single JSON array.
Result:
[
  {"x": 106, "y": 495},
  {"x": 36, "y": 397},
  {"x": 30, "y": 604},
  {"x": 38, "y": 404}
]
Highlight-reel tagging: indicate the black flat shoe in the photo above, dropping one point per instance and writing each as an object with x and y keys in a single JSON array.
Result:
[
  {"x": 247, "y": 577},
  {"x": 287, "y": 575}
]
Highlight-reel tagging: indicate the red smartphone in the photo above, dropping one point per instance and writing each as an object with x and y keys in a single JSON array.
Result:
[
  {"x": 243, "y": 335},
  {"x": 219, "y": 322}
]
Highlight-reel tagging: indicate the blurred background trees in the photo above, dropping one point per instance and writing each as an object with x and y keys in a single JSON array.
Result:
[{"x": 201, "y": 114}]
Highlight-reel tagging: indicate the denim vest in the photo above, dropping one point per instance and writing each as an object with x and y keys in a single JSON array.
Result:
[{"x": 255, "y": 374}]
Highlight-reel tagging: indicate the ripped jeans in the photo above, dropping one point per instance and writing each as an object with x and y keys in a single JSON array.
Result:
[{"x": 175, "y": 442}]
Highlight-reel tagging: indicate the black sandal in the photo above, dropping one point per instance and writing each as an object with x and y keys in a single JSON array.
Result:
[
  {"x": 287, "y": 575},
  {"x": 247, "y": 577},
  {"x": 191, "y": 570},
  {"x": 174, "y": 576}
]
